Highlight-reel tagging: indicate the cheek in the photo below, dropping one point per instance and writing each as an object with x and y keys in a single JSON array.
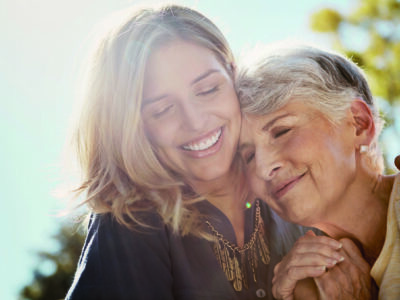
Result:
[
  {"x": 310, "y": 149},
  {"x": 160, "y": 135},
  {"x": 230, "y": 103}
]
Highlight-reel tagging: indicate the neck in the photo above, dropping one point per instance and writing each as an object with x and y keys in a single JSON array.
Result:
[
  {"x": 228, "y": 193},
  {"x": 361, "y": 214}
]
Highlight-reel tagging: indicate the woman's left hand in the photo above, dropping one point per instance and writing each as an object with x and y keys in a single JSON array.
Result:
[
  {"x": 349, "y": 279},
  {"x": 309, "y": 257}
]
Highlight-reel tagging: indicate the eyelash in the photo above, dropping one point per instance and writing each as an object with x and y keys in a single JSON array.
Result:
[
  {"x": 210, "y": 91},
  {"x": 160, "y": 113},
  {"x": 250, "y": 157},
  {"x": 281, "y": 132}
]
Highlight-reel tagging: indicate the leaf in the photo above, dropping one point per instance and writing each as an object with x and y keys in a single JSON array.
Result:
[{"x": 325, "y": 20}]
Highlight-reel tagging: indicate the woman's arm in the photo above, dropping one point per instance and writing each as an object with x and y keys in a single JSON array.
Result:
[{"x": 118, "y": 263}]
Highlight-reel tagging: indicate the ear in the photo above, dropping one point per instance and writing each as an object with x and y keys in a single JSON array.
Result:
[{"x": 363, "y": 122}]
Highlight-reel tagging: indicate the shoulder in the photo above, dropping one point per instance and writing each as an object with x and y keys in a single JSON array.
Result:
[
  {"x": 115, "y": 258},
  {"x": 109, "y": 239}
]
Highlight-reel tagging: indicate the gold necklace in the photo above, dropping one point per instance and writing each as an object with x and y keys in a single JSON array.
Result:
[{"x": 227, "y": 253}]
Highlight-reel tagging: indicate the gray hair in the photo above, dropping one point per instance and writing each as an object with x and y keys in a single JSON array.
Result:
[{"x": 326, "y": 81}]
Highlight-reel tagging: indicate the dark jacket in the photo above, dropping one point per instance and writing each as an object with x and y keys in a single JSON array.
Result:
[{"x": 156, "y": 264}]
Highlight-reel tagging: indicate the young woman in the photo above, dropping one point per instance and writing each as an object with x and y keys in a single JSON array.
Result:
[
  {"x": 172, "y": 217},
  {"x": 310, "y": 142}
]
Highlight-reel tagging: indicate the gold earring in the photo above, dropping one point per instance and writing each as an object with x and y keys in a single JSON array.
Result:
[{"x": 364, "y": 148}]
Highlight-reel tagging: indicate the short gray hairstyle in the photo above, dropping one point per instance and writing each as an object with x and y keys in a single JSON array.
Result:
[{"x": 326, "y": 81}]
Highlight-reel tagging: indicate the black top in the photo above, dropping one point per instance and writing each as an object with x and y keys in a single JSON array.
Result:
[{"x": 155, "y": 264}]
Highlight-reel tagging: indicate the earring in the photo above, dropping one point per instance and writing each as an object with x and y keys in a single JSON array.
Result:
[{"x": 364, "y": 148}]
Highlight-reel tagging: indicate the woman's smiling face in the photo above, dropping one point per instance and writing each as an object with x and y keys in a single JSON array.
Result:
[
  {"x": 298, "y": 161},
  {"x": 190, "y": 110}
]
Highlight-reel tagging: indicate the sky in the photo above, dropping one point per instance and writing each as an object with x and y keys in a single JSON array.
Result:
[{"x": 43, "y": 45}]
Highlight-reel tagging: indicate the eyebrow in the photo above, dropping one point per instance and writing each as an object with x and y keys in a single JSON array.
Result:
[
  {"x": 147, "y": 101},
  {"x": 270, "y": 123},
  {"x": 204, "y": 75}
]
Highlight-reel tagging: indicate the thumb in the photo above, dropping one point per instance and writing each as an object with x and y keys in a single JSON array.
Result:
[
  {"x": 351, "y": 249},
  {"x": 354, "y": 254}
]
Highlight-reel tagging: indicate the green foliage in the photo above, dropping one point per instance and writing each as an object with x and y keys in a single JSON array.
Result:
[
  {"x": 326, "y": 20},
  {"x": 370, "y": 36},
  {"x": 380, "y": 56},
  {"x": 55, "y": 285}
]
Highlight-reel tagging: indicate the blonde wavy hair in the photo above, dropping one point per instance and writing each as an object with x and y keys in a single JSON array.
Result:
[
  {"x": 327, "y": 81},
  {"x": 121, "y": 172}
]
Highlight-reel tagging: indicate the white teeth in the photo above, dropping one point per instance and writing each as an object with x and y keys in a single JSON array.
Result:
[{"x": 205, "y": 144}]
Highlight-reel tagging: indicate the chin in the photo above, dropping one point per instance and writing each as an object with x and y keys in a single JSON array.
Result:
[
  {"x": 303, "y": 220},
  {"x": 212, "y": 174}
]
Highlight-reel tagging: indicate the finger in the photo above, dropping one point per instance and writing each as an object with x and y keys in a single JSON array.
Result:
[
  {"x": 353, "y": 252},
  {"x": 301, "y": 261},
  {"x": 310, "y": 237},
  {"x": 357, "y": 271},
  {"x": 346, "y": 280},
  {"x": 280, "y": 293},
  {"x": 326, "y": 288},
  {"x": 311, "y": 259},
  {"x": 333, "y": 284},
  {"x": 299, "y": 273},
  {"x": 314, "y": 247},
  {"x": 283, "y": 286},
  {"x": 350, "y": 248},
  {"x": 295, "y": 273}
]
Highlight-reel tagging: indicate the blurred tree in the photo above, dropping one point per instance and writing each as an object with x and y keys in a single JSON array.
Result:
[
  {"x": 63, "y": 264},
  {"x": 370, "y": 36}
]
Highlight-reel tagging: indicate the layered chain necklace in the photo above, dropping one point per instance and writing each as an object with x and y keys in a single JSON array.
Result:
[{"x": 234, "y": 259}]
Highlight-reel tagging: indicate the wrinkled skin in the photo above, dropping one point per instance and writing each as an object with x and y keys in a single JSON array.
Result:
[{"x": 322, "y": 268}]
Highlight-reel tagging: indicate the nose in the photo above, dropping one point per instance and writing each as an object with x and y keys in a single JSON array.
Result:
[
  {"x": 193, "y": 117},
  {"x": 268, "y": 163}
]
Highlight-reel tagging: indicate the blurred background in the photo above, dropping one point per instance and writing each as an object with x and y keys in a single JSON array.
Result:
[{"x": 43, "y": 45}]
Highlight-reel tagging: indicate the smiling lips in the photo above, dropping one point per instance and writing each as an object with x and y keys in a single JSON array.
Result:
[
  {"x": 287, "y": 185},
  {"x": 204, "y": 143}
]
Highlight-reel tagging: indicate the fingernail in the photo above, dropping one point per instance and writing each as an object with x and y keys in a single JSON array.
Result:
[
  {"x": 331, "y": 262},
  {"x": 341, "y": 259}
]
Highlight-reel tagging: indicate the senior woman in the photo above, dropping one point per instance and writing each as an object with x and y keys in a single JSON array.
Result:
[{"x": 309, "y": 138}]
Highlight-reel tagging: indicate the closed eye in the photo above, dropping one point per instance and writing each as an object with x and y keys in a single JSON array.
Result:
[
  {"x": 249, "y": 157},
  {"x": 209, "y": 91},
  {"x": 158, "y": 114},
  {"x": 279, "y": 133}
]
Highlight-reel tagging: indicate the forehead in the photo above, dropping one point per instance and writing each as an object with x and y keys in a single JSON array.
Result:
[
  {"x": 176, "y": 57},
  {"x": 254, "y": 125}
]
